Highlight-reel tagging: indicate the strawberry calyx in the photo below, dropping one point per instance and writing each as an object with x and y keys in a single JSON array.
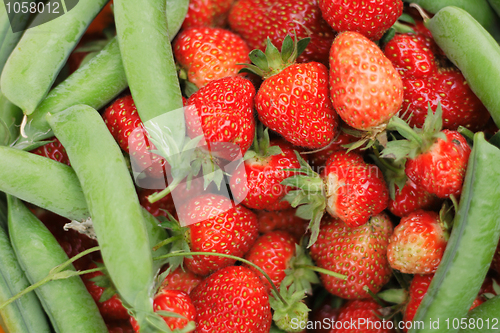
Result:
[
  {"x": 273, "y": 61},
  {"x": 261, "y": 146},
  {"x": 394, "y": 172},
  {"x": 295, "y": 310}
]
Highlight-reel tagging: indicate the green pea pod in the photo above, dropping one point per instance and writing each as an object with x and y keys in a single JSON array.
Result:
[
  {"x": 112, "y": 201},
  {"x": 4, "y": 22},
  {"x": 43, "y": 182},
  {"x": 142, "y": 34},
  {"x": 495, "y": 4},
  {"x": 41, "y": 53},
  {"x": 460, "y": 36},
  {"x": 472, "y": 243},
  {"x": 10, "y": 119},
  {"x": 67, "y": 302},
  {"x": 26, "y": 314},
  {"x": 484, "y": 318}
]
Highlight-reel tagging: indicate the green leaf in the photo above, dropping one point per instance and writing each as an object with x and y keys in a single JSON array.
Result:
[
  {"x": 273, "y": 56},
  {"x": 274, "y": 150},
  {"x": 388, "y": 35},
  {"x": 107, "y": 294},
  {"x": 189, "y": 88},
  {"x": 251, "y": 69},
  {"x": 259, "y": 59},
  {"x": 406, "y": 18},
  {"x": 433, "y": 121},
  {"x": 287, "y": 48},
  {"x": 302, "y": 45}
]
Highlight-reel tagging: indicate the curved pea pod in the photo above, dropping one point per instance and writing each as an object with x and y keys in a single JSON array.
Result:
[
  {"x": 67, "y": 302},
  {"x": 143, "y": 34},
  {"x": 472, "y": 243},
  {"x": 111, "y": 199},
  {"x": 25, "y": 315},
  {"x": 10, "y": 119},
  {"x": 41, "y": 53},
  {"x": 473, "y": 50},
  {"x": 485, "y": 318},
  {"x": 43, "y": 182}
]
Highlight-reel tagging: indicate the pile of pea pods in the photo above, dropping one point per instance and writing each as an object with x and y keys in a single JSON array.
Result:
[{"x": 99, "y": 185}]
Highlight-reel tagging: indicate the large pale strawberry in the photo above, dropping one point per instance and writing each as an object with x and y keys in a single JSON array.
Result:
[
  {"x": 371, "y": 18},
  {"x": 360, "y": 253},
  {"x": 256, "y": 20},
  {"x": 365, "y": 88},
  {"x": 207, "y": 54}
]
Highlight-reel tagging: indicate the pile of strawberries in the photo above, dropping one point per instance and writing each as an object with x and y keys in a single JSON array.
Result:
[{"x": 352, "y": 164}]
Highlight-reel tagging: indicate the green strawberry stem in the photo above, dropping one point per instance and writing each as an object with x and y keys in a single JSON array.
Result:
[
  {"x": 396, "y": 296},
  {"x": 323, "y": 271},
  {"x": 374, "y": 296},
  {"x": 167, "y": 241}
]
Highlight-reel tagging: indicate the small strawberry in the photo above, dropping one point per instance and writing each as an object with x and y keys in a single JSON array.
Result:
[
  {"x": 232, "y": 299},
  {"x": 53, "y": 150},
  {"x": 257, "y": 20},
  {"x": 207, "y": 54},
  {"x": 293, "y": 99},
  {"x": 285, "y": 220},
  {"x": 326, "y": 313},
  {"x": 122, "y": 119},
  {"x": 365, "y": 88},
  {"x": 360, "y": 253},
  {"x": 222, "y": 111},
  {"x": 418, "y": 243},
  {"x": 257, "y": 182},
  {"x": 360, "y": 316},
  {"x": 411, "y": 198},
  {"x": 182, "y": 280},
  {"x": 370, "y": 18},
  {"x": 175, "y": 301}
]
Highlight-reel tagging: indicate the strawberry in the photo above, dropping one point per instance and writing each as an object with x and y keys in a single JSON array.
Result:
[
  {"x": 495, "y": 264},
  {"x": 285, "y": 220},
  {"x": 326, "y": 313},
  {"x": 182, "y": 280},
  {"x": 122, "y": 119},
  {"x": 417, "y": 291},
  {"x": 293, "y": 99},
  {"x": 371, "y": 18},
  {"x": 160, "y": 207},
  {"x": 263, "y": 172},
  {"x": 207, "y": 54},
  {"x": 418, "y": 243},
  {"x": 319, "y": 158},
  {"x": 411, "y": 198},
  {"x": 175, "y": 301},
  {"x": 365, "y": 88},
  {"x": 360, "y": 253},
  {"x": 216, "y": 224},
  {"x": 222, "y": 111},
  {"x": 209, "y": 13},
  {"x": 257, "y": 20},
  {"x": 232, "y": 299},
  {"x": 119, "y": 327},
  {"x": 53, "y": 150},
  {"x": 360, "y": 316}
]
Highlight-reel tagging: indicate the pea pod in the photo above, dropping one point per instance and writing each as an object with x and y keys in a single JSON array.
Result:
[
  {"x": 460, "y": 36},
  {"x": 473, "y": 240},
  {"x": 112, "y": 201},
  {"x": 67, "y": 302},
  {"x": 495, "y": 4},
  {"x": 10, "y": 118},
  {"x": 26, "y": 314},
  {"x": 142, "y": 34},
  {"x": 4, "y": 22},
  {"x": 34, "y": 64},
  {"x": 484, "y": 318}
]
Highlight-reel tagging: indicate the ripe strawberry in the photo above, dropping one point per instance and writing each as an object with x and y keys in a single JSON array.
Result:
[
  {"x": 370, "y": 18},
  {"x": 122, "y": 119},
  {"x": 217, "y": 225},
  {"x": 326, "y": 313},
  {"x": 360, "y": 316},
  {"x": 232, "y": 299},
  {"x": 418, "y": 243},
  {"x": 53, "y": 150},
  {"x": 365, "y": 88},
  {"x": 293, "y": 99},
  {"x": 207, "y": 54},
  {"x": 360, "y": 253},
  {"x": 319, "y": 158},
  {"x": 111, "y": 308},
  {"x": 256, "y": 20},
  {"x": 412, "y": 198},
  {"x": 222, "y": 111},
  {"x": 257, "y": 182},
  {"x": 182, "y": 280},
  {"x": 285, "y": 220},
  {"x": 417, "y": 291},
  {"x": 208, "y": 13},
  {"x": 119, "y": 326}
]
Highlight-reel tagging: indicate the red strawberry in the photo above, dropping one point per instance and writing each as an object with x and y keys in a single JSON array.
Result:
[
  {"x": 119, "y": 326},
  {"x": 223, "y": 112},
  {"x": 359, "y": 253},
  {"x": 122, "y": 119},
  {"x": 182, "y": 280},
  {"x": 160, "y": 207},
  {"x": 411, "y": 198},
  {"x": 326, "y": 313},
  {"x": 232, "y": 299},
  {"x": 257, "y": 182},
  {"x": 285, "y": 220},
  {"x": 53, "y": 150},
  {"x": 174, "y": 301},
  {"x": 217, "y": 225},
  {"x": 360, "y": 316},
  {"x": 365, "y": 88},
  {"x": 370, "y": 18},
  {"x": 111, "y": 308},
  {"x": 319, "y": 158},
  {"x": 417, "y": 291},
  {"x": 418, "y": 243},
  {"x": 207, "y": 54},
  {"x": 272, "y": 252},
  {"x": 256, "y": 20},
  {"x": 208, "y": 13}
]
